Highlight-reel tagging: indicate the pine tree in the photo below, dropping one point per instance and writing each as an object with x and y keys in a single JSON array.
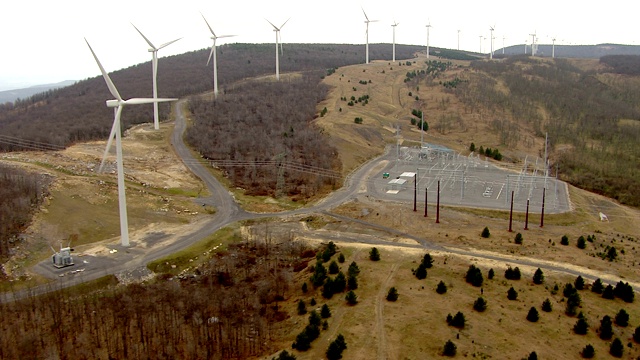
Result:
[
  {"x": 636, "y": 335},
  {"x": 302, "y": 307},
  {"x": 518, "y": 239},
  {"x": 441, "y": 288},
  {"x": 606, "y": 332},
  {"x": 581, "y": 326},
  {"x": 616, "y": 349},
  {"x": 597, "y": 287},
  {"x": 449, "y": 349},
  {"x": 608, "y": 293},
  {"x": 533, "y": 356},
  {"x": 546, "y": 306},
  {"x": 538, "y": 277},
  {"x": 352, "y": 282},
  {"x": 480, "y": 304},
  {"x": 333, "y": 267},
  {"x": 458, "y": 320},
  {"x": 325, "y": 312},
  {"x": 582, "y": 243},
  {"x": 313, "y": 302},
  {"x": 474, "y": 276},
  {"x": 351, "y": 298},
  {"x": 533, "y": 315},
  {"x": 579, "y": 283},
  {"x": 485, "y": 232},
  {"x": 339, "y": 283},
  {"x": 392, "y": 294},
  {"x": 304, "y": 287},
  {"x": 573, "y": 301},
  {"x": 427, "y": 260},
  {"x": 374, "y": 254},
  {"x": 622, "y": 318},
  {"x": 588, "y": 352},
  {"x": 491, "y": 274},
  {"x": 328, "y": 289},
  {"x": 353, "y": 269},
  {"x": 341, "y": 258},
  {"x": 421, "y": 272},
  {"x": 564, "y": 240},
  {"x": 284, "y": 355},
  {"x": 512, "y": 294}
]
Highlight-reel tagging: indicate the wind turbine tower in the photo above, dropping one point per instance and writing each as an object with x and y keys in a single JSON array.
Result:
[
  {"x": 428, "y": 27},
  {"x": 503, "y": 44},
  {"x": 553, "y": 48},
  {"x": 154, "y": 67},
  {"x": 481, "y": 44},
  {"x": 277, "y": 31},
  {"x": 458, "y": 39},
  {"x": 367, "y": 21},
  {"x": 491, "y": 28},
  {"x": 394, "y": 39},
  {"x": 118, "y": 103},
  {"x": 533, "y": 44},
  {"x": 214, "y": 37}
]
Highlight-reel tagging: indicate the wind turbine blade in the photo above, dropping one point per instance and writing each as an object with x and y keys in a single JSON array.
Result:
[
  {"x": 107, "y": 79},
  {"x": 144, "y": 37},
  {"x": 168, "y": 43},
  {"x": 209, "y": 26},
  {"x": 112, "y": 134},
  {"x": 137, "y": 101},
  {"x": 274, "y": 27},
  {"x": 281, "y": 26},
  {"x": 211, "y": 54},
  {"x": 365, "y": 14},
  {"x": 224, "y": 36}
]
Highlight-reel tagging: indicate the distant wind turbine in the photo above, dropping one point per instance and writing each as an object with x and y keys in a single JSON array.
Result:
[
  {"x": 394, "y": 39},
  {"x": 154, "y": 66},
  {"x": 503, "y": 37},
  {"x": 214, "y": 37},
  {"x": 428, "y": 28},
  {"x": 277, "y": 31},
  {"x": 553, "y": 48},
  {"x": 458, "y": 39},
  {"x": 367, "y": 21},
  {"x": 491, "y": 28},
  {"x": 118, "y": 104},
  {"x": 481, "y": 44},
  {"x": 533, "y": 44}
]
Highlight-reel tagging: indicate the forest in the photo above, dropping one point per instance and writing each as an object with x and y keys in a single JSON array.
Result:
[
  {"x": 226, "y": 308},
  {"x": 21, "y": 193},
  {"x": 78, "y": 113},
  {"x": 256, "y": 122},
  {"x": 594, "y": 114}
]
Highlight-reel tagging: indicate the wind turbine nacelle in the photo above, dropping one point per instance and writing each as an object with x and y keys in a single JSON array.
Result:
[
  {"x": 113, "y": 103},
  {"x": 151, "y": 50}
]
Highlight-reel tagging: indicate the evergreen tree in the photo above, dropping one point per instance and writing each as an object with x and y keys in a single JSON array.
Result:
[
  {"x": 568, "y": 290},
  {"x": 622, "y": 318},
  {"x": 302, "y": 342},
  {"x": 304, "y": 287},
  {"x": 538, "y": 277},
  {"x": 327, "y": 289},
  {"x": 474, "y": 276},
  {"x": 353, "y": 269},
  {"x": 546, "y": 306},
  {"x": 480, "y": 304},
  {"x": 325, "y": 312},
  {"x": 374, "y": 254},
  {"x": 485, "y": 232},
  {"x": 588, "y": 352},
  {"x": 581, "y": 326},
  {"x": 427, "y": 260},
  {"x": 518, "y": 239},
  {"x": 351, "y": 298},
  {"x": 284, "y": 355},
  {"x": 491, "y": 274},
  {"x": 319, "y": 275},
  {"x": 458, "y": 320},
  {"x": 612, "y": 254},
  {"x": 441, "y": 288},
  {"x": 352, "y": 282},
  {"x": 312, "y": 302},
  {"x": 341, "y": 258},
  {"x": 533, "y": 315},
  {"x": 314, "y": 318},
  {"x": 512, "y": 274},
  {"x": 472, "y": 147},
  {"x": 449, "y": 349},
  {"x": 582, "y": 243},
  {"x": 573, "y": 301},
  {"x": 606, "y": 331},
  {"x": 339, "y": 283},
  {"x": 624, "y": 291},
  {"x": 421, "y": 272},
  {"x": 564, "y": 240},
  {"x": 333, "y": 267},
  {"x": 636, "y": 335},
  {"x": 579, "y": 283},
  {"x": 597, "y": 287},
  {"x": 302, "y": 307},
  {"x": 533, "y": 356},
  {"x": 392, "y": 295},
  {"x": 512, "y": 294},
  {"x": 608, "y": 293},
  {"x": 616, "y": 349}
]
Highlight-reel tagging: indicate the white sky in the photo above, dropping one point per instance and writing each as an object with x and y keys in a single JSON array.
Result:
[{"x": 41, "y": 41}]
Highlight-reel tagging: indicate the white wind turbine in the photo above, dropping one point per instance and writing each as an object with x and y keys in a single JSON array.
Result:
[
  {"x": 428, "y": 28},
  {"x": 553, "y": 47},
  {"x": 154, "y": 65},
  {"x": 491, "y": 28},
  {"x": 277, "y": 31},
  {"x": 458, "y": 39},
  {"x": 214, "y": 37},
  {"x": 394, "y": 39},
  {"x": 118, "y": 103},
  {"x": 367, "y": 21},
  {"x": 533, "y": 44}
]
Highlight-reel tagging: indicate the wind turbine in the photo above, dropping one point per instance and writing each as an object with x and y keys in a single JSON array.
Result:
[
  {"x": 553, "y": 48},
  {"x": 154, "y": 65},
  {"x": 503, "y": 37},
  {"x": 481, "y": 44},
  {"x": 367, "y": 21},
  {"x": 491, "y": 28},
  {"x": 394, "y": 39},
  {"x": 118, "y": 103},
  {"x": 428, "y": 27},
  {"x": 458, "y": 39},
  {"x": 533, "y": 44},
  {"x": 277, "y": 30},
  {"x": 213, "y": 53}
]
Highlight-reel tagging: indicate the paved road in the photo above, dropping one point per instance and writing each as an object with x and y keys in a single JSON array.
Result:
[{"x": 134, "y": 259}]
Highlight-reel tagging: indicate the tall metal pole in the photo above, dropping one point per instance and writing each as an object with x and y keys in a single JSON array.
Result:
[
  {"x": 415, "y": 191},
  {"x": 458, "y": 39},
  {"x": 426, "y": 191},
  {"x": 542, "y": 213},
  {"x": 438, "y": 205},
  {"x": 526, "y": 217},
  {"x": 511, "y": 213}
]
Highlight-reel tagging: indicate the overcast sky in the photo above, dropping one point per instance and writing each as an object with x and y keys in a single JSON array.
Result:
[{"x": 42, "y": 40}]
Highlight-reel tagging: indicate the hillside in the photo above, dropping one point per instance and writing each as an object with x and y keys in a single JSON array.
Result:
[
  {"x": 573, "y": 51},
  {"x": 24, "y": 93}
]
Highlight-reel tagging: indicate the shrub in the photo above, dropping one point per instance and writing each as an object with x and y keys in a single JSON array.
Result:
[
  {"x": 457, "y": 320},
  {"x": 441, "y": 288},
  {"x": 490, "y": 274},
  {"x": 449, "y": 349},
  {"x": 512, "y": 294},
  {"x": 533, "y": 315},
  {"x": 538, "y": 277},
  {"x": 616, "y": 349},
  {"x": 284, "y": 355},
  {"x": 392, "y": 295},
  {"x": 351, "y": 298},
  {"x": 302, "y": 307},
  {"x": 357, "y": 120},
  {"x": 325, "y": 312},
  {"x": 612, "y": 254},
  {"x": 304, "y": 287},
  {"x": 474, "y": 276},
  {"x": 588, "y": 352},
  {"x": 313, "y": 302},
  {"x": 597, "y": 287},
  {"x": 533, "y": 356},
  {"x": 546, "y": 306},
  {"x": 485, "y": 233},
  {"x": 480, "y": 304},
  {"x": 564, "y": 240},
  {"x": 341, "y": 258},
  {"x": 421, "y": 272},
  {"x": 606, "y": 331},
  {"x": 374, "y": 254},
  {"x": 622, "y": 318},
  {"x": 518, "y": 239},
  {"x": 512, "y": 274},
  {"x": 581, "y": 326},
  {"x": 582, "y": 243},
  {"x": 427, "y": 261}
]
